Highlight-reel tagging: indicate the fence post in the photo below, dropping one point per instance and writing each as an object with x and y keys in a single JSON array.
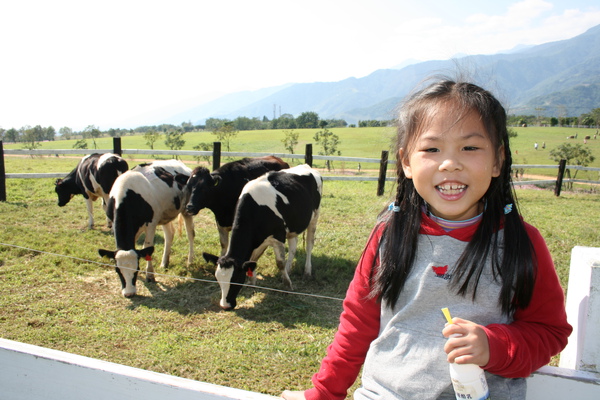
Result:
[
  {"x": 216, "y": 155},
  {"x": 117, "y": 146},
  {"x": 2, "y": 174},
  {"x": 561, "y": 173},
  {"x": 382, "y": 172},
  {"x": 308, "y": 154}
]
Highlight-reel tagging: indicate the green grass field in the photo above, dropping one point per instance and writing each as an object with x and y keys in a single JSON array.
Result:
[{"x": 54, "y": 292}]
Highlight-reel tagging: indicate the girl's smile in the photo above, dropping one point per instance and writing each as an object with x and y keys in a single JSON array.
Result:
[{"x": 451, "y": 164}]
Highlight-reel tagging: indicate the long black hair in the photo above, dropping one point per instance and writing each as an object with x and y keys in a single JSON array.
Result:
[{"x": 511, "y": 256}]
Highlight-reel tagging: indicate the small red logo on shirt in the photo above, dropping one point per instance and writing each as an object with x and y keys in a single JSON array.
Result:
[{"x": 441, "y": 272}]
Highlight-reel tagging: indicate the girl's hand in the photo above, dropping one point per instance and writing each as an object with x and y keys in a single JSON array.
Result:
[
  {"x": 470, "y": 346},
  {"x": 293, "y": 395}
]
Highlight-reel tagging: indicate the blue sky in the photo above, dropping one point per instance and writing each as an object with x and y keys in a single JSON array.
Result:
[{"x": 110, "y": 63}]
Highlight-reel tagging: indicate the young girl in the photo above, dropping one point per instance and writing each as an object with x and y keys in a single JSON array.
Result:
[{"x": 452, "y": 238}]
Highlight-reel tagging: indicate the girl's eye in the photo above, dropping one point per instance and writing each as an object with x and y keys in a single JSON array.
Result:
[
  {"x": 470, "y": 148},
  {"x": 431, "y": 150}
]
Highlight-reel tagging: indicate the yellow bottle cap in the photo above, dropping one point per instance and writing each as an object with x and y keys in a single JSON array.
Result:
[{"x": 447, "y": 314}]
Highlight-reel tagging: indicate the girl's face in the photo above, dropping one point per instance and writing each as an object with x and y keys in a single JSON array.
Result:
[{"x": 452, "y": 164}]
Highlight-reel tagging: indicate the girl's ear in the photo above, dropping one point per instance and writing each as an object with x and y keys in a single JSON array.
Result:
[
  {"x": 404, "y": 160},
  {"x": 499, "y": 163}
]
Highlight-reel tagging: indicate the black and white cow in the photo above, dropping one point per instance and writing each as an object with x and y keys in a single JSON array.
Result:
[
  {"x": 93, "y": 178},
  {"x": 275, "y": 207},
  {"x": 141, "y": 199},
  {"x": 219, "y": 190}
]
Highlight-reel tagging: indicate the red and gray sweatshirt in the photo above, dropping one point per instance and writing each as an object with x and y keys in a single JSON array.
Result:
[{"x": 401, "y": 348}]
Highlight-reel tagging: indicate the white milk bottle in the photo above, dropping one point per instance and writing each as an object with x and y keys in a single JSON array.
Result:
[{"x": 468, "y": 380}]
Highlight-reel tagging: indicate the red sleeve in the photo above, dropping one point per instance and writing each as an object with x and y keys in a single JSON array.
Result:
[
  {"x": 539, "y": 331},
  {"x": 359, "y": 326}
]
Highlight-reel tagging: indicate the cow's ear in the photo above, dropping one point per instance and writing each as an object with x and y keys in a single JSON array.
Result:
[
  {"x": 145, "y": 253},
  {"x": 210, "y": 258},
  {"x": 249, "y": 267},
  {"x": 107, "y": 253},
  {"x": 181, "y": 179},
  {"x": 58, "y": 181}
]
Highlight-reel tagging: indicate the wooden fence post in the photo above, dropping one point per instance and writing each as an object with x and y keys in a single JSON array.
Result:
[
  {"x": 382, "y": 172},
  {"x": 561, "y": 173},
  {"x": 308, "y": 155},
  {"x": 2, "y": 174},
  {"x": 117, "y": 146},
  {"x": 216, "y": 155}
]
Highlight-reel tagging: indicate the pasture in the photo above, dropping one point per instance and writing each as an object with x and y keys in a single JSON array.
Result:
[{"x": 56, "y": 292}]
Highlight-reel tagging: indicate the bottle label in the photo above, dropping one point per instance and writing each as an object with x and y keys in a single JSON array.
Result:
[{"x": 474, "y": 390}]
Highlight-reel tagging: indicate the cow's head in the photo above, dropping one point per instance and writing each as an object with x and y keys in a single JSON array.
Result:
[
  {"x": 64, "y": 195},
  {"x": 127, "y": 266},
  {"x": 231, "y": 276},
  {"x": 201, "y": 185}
]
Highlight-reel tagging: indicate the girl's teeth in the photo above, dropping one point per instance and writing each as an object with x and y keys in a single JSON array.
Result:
[{"x": 451, "y": 189}]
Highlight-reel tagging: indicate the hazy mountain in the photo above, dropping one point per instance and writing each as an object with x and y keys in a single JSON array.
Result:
[{"x": 554, "y": 78}]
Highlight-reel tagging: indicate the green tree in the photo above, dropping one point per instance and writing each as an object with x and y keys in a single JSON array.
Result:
[
  {"x": 11, "y": 135},
  {"x": 93, "y": 133},
  {"x": 174, "y": 140},
  {"x": 187, "y": 126},
  {"x": 285, "y": 121},
  {"x": 49, "y": 133},
  {"x": 151, "y": 137},
  {"x": 595, "y": 114},
  {"x": 80, "y": 144},
  {"x": 290, "y": 140},
  {"x": 32, "y": 136},
  {"x": 329, "y": 142},
  {"x": 308, "y": 120},
  {"x": 65, "y": 132},
  {"x": 202, "y": 147},
  {"x": 225, "y": 133},
  {"x": 574, "y": 155}
]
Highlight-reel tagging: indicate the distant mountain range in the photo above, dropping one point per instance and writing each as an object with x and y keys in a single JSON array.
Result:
[{"x": 555, "y": 79}]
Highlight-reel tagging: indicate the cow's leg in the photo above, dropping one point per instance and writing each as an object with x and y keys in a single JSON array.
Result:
[
  {"x": 256, "y": 253},
  {"x": 104, "y": 207},
  {"x": 310, "y": 241},
  {"x": 292, "y": 246},
  {"x": 169, "y": 231},
  {"x": 223, "y": 238},
  {"x": 149, "y": 241},
  {"x": 189, "y": 228},
  {"x": 90, "y": 210},
  {"x": 279, "y": 249}
]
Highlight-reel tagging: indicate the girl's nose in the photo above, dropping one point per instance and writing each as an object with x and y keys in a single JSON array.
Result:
[{"x": 451, "y": 164}]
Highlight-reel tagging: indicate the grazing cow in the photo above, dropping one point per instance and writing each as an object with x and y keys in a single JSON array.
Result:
[
  {"x": 276, "y": 206},
  {"x": 219, "y": 190},
  {"x": 93, "y": 178},
  {"x": 141, "y": 199}
]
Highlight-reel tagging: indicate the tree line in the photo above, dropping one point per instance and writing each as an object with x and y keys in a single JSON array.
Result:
[
  {"x": 591, "y": 119},
  {"x": 306, "y": 120}
]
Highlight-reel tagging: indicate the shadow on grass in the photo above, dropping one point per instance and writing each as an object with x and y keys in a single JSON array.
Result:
[{"x": 269, "y": 301}]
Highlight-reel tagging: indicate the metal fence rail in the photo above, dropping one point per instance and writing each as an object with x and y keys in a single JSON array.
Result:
[{"x": 308, "y": 157}]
